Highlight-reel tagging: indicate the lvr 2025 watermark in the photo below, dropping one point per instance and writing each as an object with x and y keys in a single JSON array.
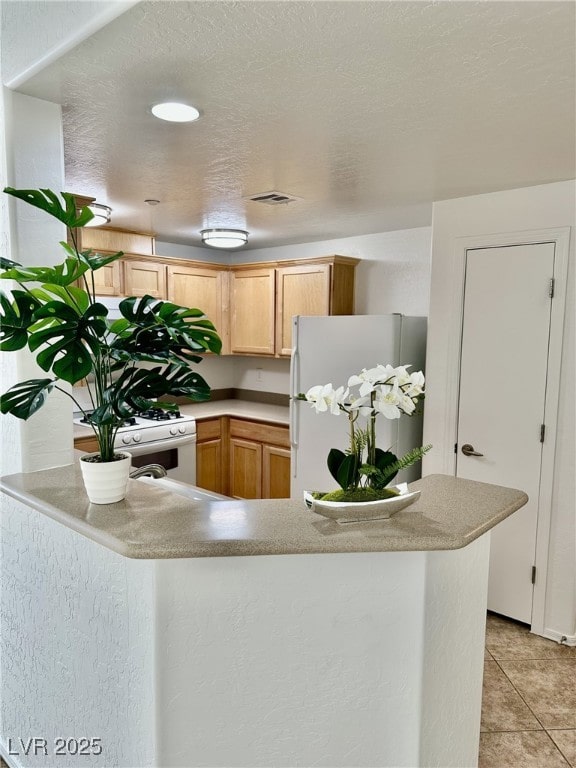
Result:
[{"x": 38, "y": 745}]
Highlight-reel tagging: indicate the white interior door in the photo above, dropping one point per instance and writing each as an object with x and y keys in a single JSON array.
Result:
[{"x": 502, "y": 392}]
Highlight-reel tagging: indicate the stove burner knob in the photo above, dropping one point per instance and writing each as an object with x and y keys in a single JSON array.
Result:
[
  {"x": 173, "y": 430},
  {"x": 137, "y": 437},
  {"x": 182, "y": 430},
  {"x": 126, "y": 439}
]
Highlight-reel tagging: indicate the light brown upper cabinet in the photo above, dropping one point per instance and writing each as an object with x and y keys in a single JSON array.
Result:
[
  {"x": 114, "y": 240},
  {"x": 264, "y": 300},
  {"x": 108, "y": 280},
  {"x": 205, "y": 288},
  {"x": 252, "y": 293},
  {"x": 143, "y": 278}
]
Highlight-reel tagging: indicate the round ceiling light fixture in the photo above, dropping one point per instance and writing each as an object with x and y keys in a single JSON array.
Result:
[
  {"x": 101, "y": 215},
  {"x": 224, "y": 238},
  {"x": 175, "y": 112}
]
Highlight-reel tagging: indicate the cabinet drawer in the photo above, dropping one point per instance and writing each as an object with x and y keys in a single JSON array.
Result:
[
  {"x": 211, "y": 429},
  {"x": 261, "y": 432}
]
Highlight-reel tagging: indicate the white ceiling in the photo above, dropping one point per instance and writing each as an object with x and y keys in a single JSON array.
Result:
[{"x": 366, "y": 111}]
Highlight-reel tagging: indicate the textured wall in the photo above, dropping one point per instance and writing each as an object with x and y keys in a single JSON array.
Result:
[
  {"x": 295, "y": 660},
  {"x": 32, "y": 136},
  {"x": 76, "y": 643}
]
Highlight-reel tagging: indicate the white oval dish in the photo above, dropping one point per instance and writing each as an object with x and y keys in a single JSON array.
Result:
[{"x": 354, "y": 512}]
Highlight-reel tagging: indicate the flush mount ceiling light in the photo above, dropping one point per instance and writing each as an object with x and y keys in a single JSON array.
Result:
[
  {"x": 224, "y": 238},
  {"x": 175, "y": 112},
  {"x": 101, "y": 215}
]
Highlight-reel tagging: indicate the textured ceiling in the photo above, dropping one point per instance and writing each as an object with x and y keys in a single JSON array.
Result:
[{"x": 366, "y": 111}]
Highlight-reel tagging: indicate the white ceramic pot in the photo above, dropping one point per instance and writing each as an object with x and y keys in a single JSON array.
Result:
[
  {"x": 106, "y": 482},
  {"x": 356, "y": 512}
]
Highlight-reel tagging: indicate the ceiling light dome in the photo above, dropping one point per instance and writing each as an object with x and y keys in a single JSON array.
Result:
[
  {"x": 175, "y": 112},
  {"x": 224, "y": 238},
  {"x": 101, "y": 215}
]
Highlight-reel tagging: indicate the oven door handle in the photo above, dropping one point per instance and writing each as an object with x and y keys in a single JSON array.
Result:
[{"x": 140, "y": 449}]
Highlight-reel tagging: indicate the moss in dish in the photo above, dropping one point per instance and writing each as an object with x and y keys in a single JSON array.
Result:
[{"x": 358, "y": 495}]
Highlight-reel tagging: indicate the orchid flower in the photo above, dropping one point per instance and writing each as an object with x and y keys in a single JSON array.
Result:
[{"x": 324, "y": 397}]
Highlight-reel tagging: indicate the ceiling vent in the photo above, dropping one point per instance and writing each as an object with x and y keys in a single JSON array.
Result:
[{"x": 272, "y": 198}]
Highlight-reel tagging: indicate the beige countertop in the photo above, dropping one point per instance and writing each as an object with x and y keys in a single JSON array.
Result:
[
  {"x": 154, "y": 523},
  {"x": 242, "y": 409}
]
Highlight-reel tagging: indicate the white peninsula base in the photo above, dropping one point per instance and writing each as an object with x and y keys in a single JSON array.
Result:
[{"x": 344, "y": 659}]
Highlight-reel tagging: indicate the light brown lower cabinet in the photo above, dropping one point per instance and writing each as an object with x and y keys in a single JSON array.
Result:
[
  {"x": 243, "y": 459},
  {"x": 275, "y": 472},
  {"x": 212, "y": 455}
]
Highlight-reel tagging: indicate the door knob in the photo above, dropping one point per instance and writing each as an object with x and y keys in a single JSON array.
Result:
[{"x": 468, "y": 450}]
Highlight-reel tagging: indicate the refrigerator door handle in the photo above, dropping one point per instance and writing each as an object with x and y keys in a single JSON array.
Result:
[{"x": 294, "y": 379}]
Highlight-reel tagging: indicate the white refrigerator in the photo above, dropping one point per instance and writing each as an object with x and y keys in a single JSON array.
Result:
[{"x": 329, "y": 350}]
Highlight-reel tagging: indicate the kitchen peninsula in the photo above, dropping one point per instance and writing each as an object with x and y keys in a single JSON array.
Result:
[{"x": 245, "y": 633}]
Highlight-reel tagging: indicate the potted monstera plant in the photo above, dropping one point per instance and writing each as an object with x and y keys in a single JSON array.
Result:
[{"x": 54, "y": 311}]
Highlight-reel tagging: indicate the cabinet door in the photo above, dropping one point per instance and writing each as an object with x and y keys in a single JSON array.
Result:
[
  {"x": 145, "y": 277},
  {"x": 275, "y": 472},
  {"x": 114, "y": 240},
  {"x": 252, "y": 301},
  {"x": 107, "y": 280},
  {"x": 209, "y": 465},
  {"x": 211, "y": 455},
  {"x": 300, "y": 290},
  {"x": 198, "y": 288},
  {"x": 245, "y": 469}
]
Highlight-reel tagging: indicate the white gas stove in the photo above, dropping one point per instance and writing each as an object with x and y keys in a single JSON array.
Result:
[{"x": 159, "y": 437}]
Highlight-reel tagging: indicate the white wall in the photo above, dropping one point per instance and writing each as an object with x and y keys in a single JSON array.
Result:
[
  {"x": 393, "y": 276},
  {"x": 514, "y": 211},
  {"x": 193, "y": 252},
  {"x": 31, "y": 135}
]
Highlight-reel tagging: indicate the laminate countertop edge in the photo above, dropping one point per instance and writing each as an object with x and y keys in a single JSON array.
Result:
[{"x": 154, "y": 523}]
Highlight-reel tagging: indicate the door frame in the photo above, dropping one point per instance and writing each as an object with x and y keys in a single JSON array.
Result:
[{"x": 561, "y": 238}]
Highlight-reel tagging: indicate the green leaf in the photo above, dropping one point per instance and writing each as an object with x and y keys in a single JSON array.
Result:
[
  {"x": 348, "y": 472},
  {"x": 385, "y": 461},
  {"x": 16, "y": 317},
  {"x": 7, "y": 263},
  {"x": 136, "y": 388},
  {"x": 24, "y": 399},
  {"x": 70, "y": 295},
  {"x": 48, "y": 201},
  {"x": 62, "y": 274},
  {"x": 163, "y": 331},
  {"x": 98, "y": 260},
  {"x": 70, "y": 341},
  {"x": 334, "y": 461}
]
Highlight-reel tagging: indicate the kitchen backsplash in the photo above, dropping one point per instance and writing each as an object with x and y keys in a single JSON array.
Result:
[{"x": 249, "y": 377}]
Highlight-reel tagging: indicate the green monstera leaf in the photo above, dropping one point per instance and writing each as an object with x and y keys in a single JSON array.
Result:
[
  {"x": 160, "y": 331},
  {"x": 48, "y": 201},
  {"x": 136, "y": 388},
  {"x": 7, "y": 263},
  {"x": 24, "y": 399},
  {"x": 92, "y": 259},
  {"x": 16, "y": 317},
  {"x": 62, "y": 274},
  {"x": 69, "y": 340}
]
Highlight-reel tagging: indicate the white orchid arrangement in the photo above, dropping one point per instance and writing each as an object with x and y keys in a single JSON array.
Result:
[{"x": 364, "y": 470}]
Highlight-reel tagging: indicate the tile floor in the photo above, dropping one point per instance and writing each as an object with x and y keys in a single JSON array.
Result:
[{"x": 529, "y": 700}]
